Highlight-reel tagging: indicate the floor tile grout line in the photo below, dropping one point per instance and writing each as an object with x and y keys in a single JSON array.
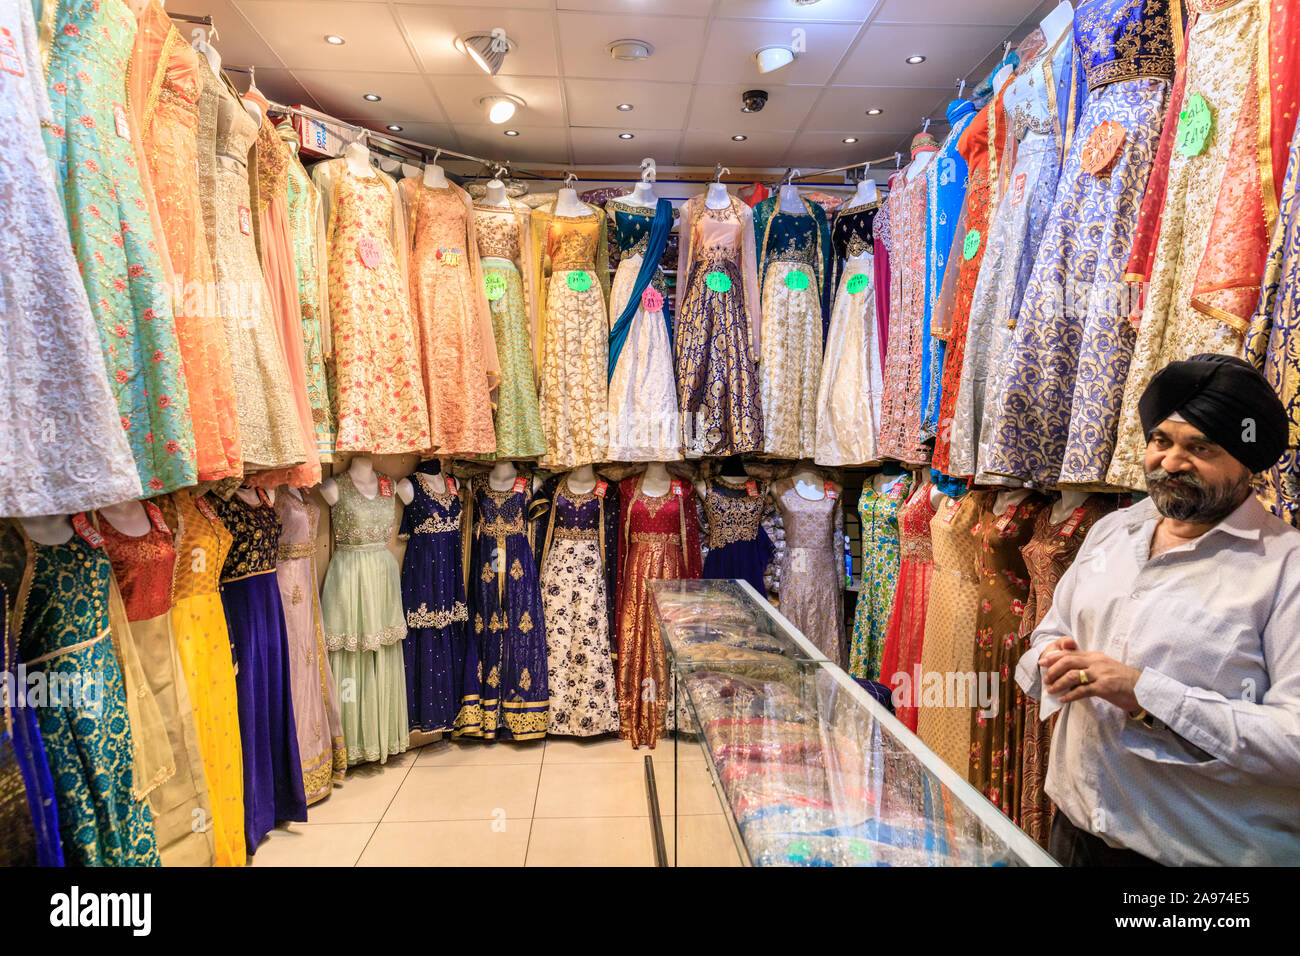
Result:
[
  {"x": 388, "y": 806},
  {"x": 532, "y": 814}
]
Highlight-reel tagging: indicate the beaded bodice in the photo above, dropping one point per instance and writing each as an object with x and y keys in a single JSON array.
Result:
[
  {"x": 434, "y": 509},
  {"x": 255, "y": 534},
  {"x": 733, "y": 513},
  {"x": 500, "y": 513},
  {"x": 359, "y": 520}
]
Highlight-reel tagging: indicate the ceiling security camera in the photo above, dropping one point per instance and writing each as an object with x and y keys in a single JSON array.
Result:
[{"x": 754, "y": 100}]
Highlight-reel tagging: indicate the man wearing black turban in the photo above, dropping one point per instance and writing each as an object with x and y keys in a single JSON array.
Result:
[{"x": 1172, "y": 648}]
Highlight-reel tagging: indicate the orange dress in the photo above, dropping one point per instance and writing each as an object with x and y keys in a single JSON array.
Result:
[{"x": 165, "y": 89}]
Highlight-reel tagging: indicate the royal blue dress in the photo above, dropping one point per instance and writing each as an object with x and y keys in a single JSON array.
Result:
[{"x": 738, "y": 545}]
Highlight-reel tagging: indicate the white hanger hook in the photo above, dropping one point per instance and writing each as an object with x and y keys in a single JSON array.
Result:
[
  {"x": 648, "y": 171},
  {"x": 569, "y": 179},
  {"x": 961, "y": 87},
  {"x": 436, "y": 153},
  {"x": 719, "y": 171}
]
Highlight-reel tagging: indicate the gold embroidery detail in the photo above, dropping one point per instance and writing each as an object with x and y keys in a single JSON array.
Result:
[
  {"x": 487, "y": 573},
  {"x": 732, "y": 519},
  {"x": 516, "y": 570},
  {"x": 494, "y": 676},
  {"x": 478, "y": 629},
  {"x": 525, "y": 679},
  {"x": 423, "y": 617},
  {"x": 296, "y": 597},
  {"x": 525, "y": 624}
]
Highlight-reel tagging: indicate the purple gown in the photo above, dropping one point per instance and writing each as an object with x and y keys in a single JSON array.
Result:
[{"x": 738, "y": 545}]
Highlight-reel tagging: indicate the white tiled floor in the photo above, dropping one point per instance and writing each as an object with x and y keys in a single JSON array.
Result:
[{"x": 550, "y": 803}]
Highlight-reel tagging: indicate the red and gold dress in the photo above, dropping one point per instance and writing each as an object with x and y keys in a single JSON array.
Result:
[{"x": 659, "y": 538}]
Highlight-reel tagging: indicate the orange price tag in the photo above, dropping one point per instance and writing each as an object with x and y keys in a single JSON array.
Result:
[{"x": 81, "y": 524}]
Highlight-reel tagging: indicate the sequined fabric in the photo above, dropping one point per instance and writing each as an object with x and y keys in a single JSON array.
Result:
[
  {"x": 812, "y": 567},
  {"x": 852, "y": 386},
  {"x": 255, "y": 534}
]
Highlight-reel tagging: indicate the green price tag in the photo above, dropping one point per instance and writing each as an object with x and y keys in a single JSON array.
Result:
[
  {"x": 857, "y": 283},
  {"x": 718, "y": 281},
  {"x": 495, "y": 283},
  {"x": 797, "y": 280},
  {"x": 1194, "y": 124},
  {"x": 971, "y": 245},
  {"x": 798, "y": 850},
  {"x": 859, "y": 849},
  {"x": 579, "y": 281}
]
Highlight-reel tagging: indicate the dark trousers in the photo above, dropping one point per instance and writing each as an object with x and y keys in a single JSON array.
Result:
[{"x": 1074, "y": 847}]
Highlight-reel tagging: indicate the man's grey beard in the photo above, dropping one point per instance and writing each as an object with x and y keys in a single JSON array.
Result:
[{"x": 1188, "y": 497}]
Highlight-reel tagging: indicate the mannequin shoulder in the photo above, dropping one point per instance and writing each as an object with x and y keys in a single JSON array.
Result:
[
  {"x": 329, "y": 490},
  {"x": 406, "y": 490}
]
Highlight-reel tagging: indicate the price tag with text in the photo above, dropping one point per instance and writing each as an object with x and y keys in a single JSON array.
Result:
[
  {"x": 1071, "y": 526},
  {"x": 652, "y": 300},
  {"x": 385, "y": 486},
  {"x": 495, "y": 284},
  {"x": 245, "y": 221},
  {"x": 10, "y": 61},
  {"x": 369, "y": 252},
  {"x": 81, "y": 524},
  {"x": 797, "y": 280},
  {"x": 718, "y": 282},
  {"x": 679, "y": 488},
  {"x": 1005, "y": 521},
  {"x": 602, "y": 487},
  {"x": 857, "y": 283},
  {"x": 120, "y": 123},
  {"x": 953, "y": 508},
  {"x": 450, "y": 483},
  {"x": 520, "y": 484},
  {"x": 1018, "y": 195},
  {"x": 751, "y": 488},
  {"x": 156, "y": 517},
  {"x": 205, "y": 508},
  {"x": 579, "y": 281},
  {"x": 829, "y": 489}
]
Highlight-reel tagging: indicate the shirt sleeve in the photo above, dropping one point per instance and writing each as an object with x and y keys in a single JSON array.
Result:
[{"x": 1053, "y": 627}]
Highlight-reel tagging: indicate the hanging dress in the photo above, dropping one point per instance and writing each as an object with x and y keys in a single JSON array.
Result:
[
  {"x": 1056, "y": 419},
  {"x": 505, "y": 248},
  {"x": 144, "y": 567},
  {"x": 316, "y": 715},
  {"x": 166, "y": 81},
  {"x": 94, "y": 466},
  {"x": 86, "y": 48},
  {"x": 949, "y": 645},
  {"x": 644, "y": 424},
  {"x": 852, "y": 378},
  {"x": 250, "y": 595},
  {"x": 269, "y": 433},
  {"x": 795, "y": 265},
  {"x": 883, "y": 235},
  {"x": 905, "y": 634},
  {"x": 1048, "y": 555},
  {"x": 449, "y": 308},
  {"x": 1040, "y": 106},
  {"x": 381, "y": 404},
  {"x": 62, "y": 622},
  {"x": 658, "y": 538},
  {"x": 880, "y": 561},
  {"x": 361, "y": 605},
  {"x": 203, "y": 642},
  {"x": 509, "y": 626},
  {"x": 1203, "y": 235},
  {"x": 716, "y": 342},
  {"x": 437, "y": 644},
  {"x": 995, "y": 738},
  {"x": 578, "y": 545},
  {"x": 738, "y": 545},
  {"x": 812, "y": 566}
]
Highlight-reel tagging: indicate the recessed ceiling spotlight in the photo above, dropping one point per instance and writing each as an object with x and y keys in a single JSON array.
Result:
[
  {"x": 512, "y": 132},
  {"x": 334, "y": 39},
  {"x": 915, "y": 59},
  {"x": 625, "y": 107},
  {"x": 739, "y": 138},
  {"x": 849, "y": 139},
  {"x": 874, "y": 111},
  {"x": 626, "y": 135},
  {"x": 500, "y": 106},
  {"x": 488, "y": 50},
  {"x": 372, "y": 97},
  {"x": 771, "y": 58},
  {"x": 393, "y": 128},
  {"x": 629, "y": 49}
]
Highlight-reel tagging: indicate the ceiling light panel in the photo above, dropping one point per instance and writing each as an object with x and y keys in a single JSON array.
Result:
[{"x": 295, "y": 27}]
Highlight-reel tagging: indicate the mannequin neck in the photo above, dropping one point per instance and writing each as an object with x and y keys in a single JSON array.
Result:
[
  {"x": 1069, "y": 501},
  {"x": 503, "y": 475},
  {"x": 582, "y": 479},
  {"x": 806, "y": 477},
  {"x": 568, "y": 204},
  {"x": 128, "y": 517},
  {"x": 362, "y": 469},
  {"x": 434, "y": 177},
  {"x": 1057, "y": 22},
  {"x": 656, "y": 482},
  {"x": 1006, "y": 499},
  {"x": 49, "y": 530},
  {"x": 717, "y": 197},
  {"x": 358, "y": 159},
  {"x": 919, "y": 165},
  {"x": 790, "y": 200},
  {"x": 642, "y": 194},
  {"x": 867, "y": 193},
  {"x": 496, "y": 194}
]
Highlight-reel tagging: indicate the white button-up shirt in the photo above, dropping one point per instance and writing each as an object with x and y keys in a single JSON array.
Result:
[{"x": 1214, "y": 626}]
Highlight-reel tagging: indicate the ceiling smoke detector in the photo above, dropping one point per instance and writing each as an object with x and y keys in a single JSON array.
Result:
[
  {"x": 630, "y": 49},
  {"x": 488, "y": 50}
]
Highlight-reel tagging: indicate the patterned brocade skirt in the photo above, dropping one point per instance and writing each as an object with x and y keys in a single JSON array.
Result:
[
  {"x": 575, "y": 374},
  {"x": 791, "y": 361},
  {"x": 518, "y": 419}
]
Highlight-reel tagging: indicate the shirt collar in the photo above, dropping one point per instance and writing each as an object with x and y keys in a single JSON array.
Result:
[{"x": 1245, "y": 522}]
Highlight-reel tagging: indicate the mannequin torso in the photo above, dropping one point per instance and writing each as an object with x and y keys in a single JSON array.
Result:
[
  {"x": 808, "y": 483},
  {"x": 642, "y": 194},
  {"x": 496, "y": 194},
  {"x": 790, "y": 200},
  {"x": 919, "y": 165},
  {"x": 364, "y": 479},
  {"x": 49, "y": 530},
  {"x": 434, "y": 177},
  {"x": 129, "y": 518}
]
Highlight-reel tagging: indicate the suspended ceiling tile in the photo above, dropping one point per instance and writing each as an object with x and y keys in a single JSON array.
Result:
[
  {"x": 879, "y": 59},
  {"x": 655, "y": 105},
  {"x": 434, "y": 134},
  {"x": 237, "y": 41},
  {"x": 845, "y": 107},
  {"x": 813, "y": 151},
  {"x": 404, "y": 97},
  {"x": 729, "y": 57},
  {"x": 459, "y": 95},
  {"x": 706, "y": 147},
  {"x": 280, "y": 86},
  {"x": 433, "y": 30},
  {"x": 297, "y": 28},
  {"x": 677, "y": 44},
  {"x": 849, "y": 11},
  {"x": 686, "y": 8},
  {"x": 719, "y": 107},
  {"x": 997, "y": 12},
  {"x": 534, "y": 144},
  {"x": 600, "y": 145}
]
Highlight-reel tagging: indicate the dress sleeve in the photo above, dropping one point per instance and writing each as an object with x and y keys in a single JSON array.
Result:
[{"x": 486, "y": 337}]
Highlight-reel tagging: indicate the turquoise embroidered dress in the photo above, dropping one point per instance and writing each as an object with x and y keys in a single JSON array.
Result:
[{"x": 86, "y": 45}]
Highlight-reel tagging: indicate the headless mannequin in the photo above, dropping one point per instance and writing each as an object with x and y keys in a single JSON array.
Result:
[
  {"x": 49, "y": 530},
  {"x": 568, "y": 205},
  {"x": 364, "y": 479},
  {"x": 1057, "y": 22},
  {"x": 808, "y": 482},
  {"x": 656, "y": 482},
  {"x": 1065, "y": 506},
  {"x": 717, "y": 197},
  {"x": 642, "y": 194},
  {"x": 357, "y": 158},
  {"x": 867, "y": 193},
  {"x": 919, "y": 165},
  {"x": 444, "y": 468},
  {"x": 496, "y": 194},
  {"x": 209, "y": 52},
  {"x": 503, "y": 475},
  {"x": 129, "y": 518},
  {"x": 1006, "y": 499},
  {"x": 250, "y": 497},
  {"x": 884, "y": 483},
  {"x": 790, "y": 200},
  {"x": 435, "y": 177},
  {"x": 582, "y": 480},
  {"x": 409, "y": 171}
]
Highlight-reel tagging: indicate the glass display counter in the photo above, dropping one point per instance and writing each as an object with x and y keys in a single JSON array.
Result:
[{"x": 808, "y": 768}]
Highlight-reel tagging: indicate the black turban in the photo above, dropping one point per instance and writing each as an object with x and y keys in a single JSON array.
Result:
[{"x": 1227, "y": 399}]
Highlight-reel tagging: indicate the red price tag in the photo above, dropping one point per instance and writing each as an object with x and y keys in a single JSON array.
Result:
[
  {"x": 205, "y": 508},
  {"x": 10, "y": 61},
  {"x": 156, "y": 516},
  {"x": 520, "y": 484},
  {"x": 81, "y": 524},
  {"x": 896, "y": 492},
  {"x": 385, "y": 486},
  {"x": 829, "y": 488},
  {"x": 952, "y": 511},
  {"x": 1072, "y": 525},
  {"x": 450, "y": 482},
  {"x": 368, "y": 250},
  {"x": 119, "y": 121},
  {"x": 265, "y": 498},
  {"x": 1005, "y": 521},
  {"x": 601, "y": 488},
  {"x": 245, "y": 221},
  {"x": 678, "y": 488},
  {"x": 1019, "y": 194},
  {"x": 752, "y": 488}
]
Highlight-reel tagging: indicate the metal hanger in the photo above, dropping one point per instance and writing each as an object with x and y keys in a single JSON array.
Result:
[
  {"x": 719, "y": 171},
  {"x": 648, "y": 170}
]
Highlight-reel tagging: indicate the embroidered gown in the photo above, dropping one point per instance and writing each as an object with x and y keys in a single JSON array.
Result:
[
  {"x": 513, "y": 695},
  {"x": 658, "y": 538},
  {"x": 450, "y": 311},
  {"x": 505, "y": 248},
  {"x": 437, "y": 648},
  {"x": 880, "y": 561},
  {"x": 577, "y": 537},
  {"x": 852, "y": 378},
  {"x": 738, "y": 545},
  {"x": 316, "y": 715},
  {"x": 716, "y": 342},
  {"x": 361, "y": 604},
  {"x": 273, "y": 790},
  {"x": 96, "y": 171},
  {"x": 905, "y": 634},
  {"x": 812, "y": 566},
  {"x": 794, "y": 262},
  {"x": 62, "y": 615},
  {"x": 1056, "y": 419},
  {"x": 95, "y": 465},
  {"x": 644, "y": 424}
]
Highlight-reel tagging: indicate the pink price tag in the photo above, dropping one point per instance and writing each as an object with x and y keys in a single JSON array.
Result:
[
  {"x": 385, "y": 486},
  {"x": 368, "y": 250},
  {"x": 81, "y": 524},
  {"x": 10, "y": 61},
  {"x": 652, "y": 300},
  {"x": 120, "y": 123},
  {"x": 156, "y": 516},
  {"x": 245, "y": 221},
  {"x": 601, "y": 488}
]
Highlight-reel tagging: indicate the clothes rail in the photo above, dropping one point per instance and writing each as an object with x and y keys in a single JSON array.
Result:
[
  {"x": 844, "y": 169},
  {"x": 204, "y": 20}
]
